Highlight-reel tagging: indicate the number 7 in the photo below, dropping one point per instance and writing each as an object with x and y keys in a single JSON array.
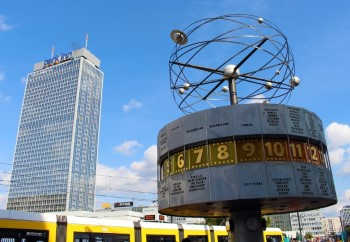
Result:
[{"x": 199, "y": 153}]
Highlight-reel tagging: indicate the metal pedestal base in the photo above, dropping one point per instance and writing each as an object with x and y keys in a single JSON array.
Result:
[{"x": 246, "y": 226}]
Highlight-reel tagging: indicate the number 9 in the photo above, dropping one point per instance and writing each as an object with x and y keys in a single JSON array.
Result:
[{"x": 250, "y": 148}]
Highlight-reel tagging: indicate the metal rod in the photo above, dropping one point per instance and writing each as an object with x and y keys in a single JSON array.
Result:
[
  {"x": 233, "y": 91},
  {"x": 301, "y": 236},
  {"x": 252, "y": 52},
  {"x": 211, "y": 70}
]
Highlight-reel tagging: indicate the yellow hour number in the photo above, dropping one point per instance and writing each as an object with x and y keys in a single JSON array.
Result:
[
  {"x": 249, "y": 150},
  {"x": 197, "y": 157},
  {"x": 165, "y": 168},
  {"x": 297, "y": 150},
  {"x": 199, "y": 153},
  {"x": 314, "y": 154},
  {"x": 178, "y": 161},
  {"x": 222, "y": 153},
  {"x": 275, "y": 150}
]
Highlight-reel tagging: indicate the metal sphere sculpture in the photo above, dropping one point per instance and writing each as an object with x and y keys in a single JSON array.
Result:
[{"x": 238, "y": 58}]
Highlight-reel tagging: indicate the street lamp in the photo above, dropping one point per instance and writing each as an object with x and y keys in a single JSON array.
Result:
[{"x": 301, "y": 236}]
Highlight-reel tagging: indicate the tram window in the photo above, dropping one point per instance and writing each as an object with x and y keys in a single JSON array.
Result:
[
  {"x": 273, "y": 238},
  {"x": 198, "y": 238},
  {"x": 97, "y": 237},
  {"x": 23, "y": 235},
  {"x": 160, "y": 238},
  {"x": 81, "y": 237},
  {"x": 222, "y": 238}
]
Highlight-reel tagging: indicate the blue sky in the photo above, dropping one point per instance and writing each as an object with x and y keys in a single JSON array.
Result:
[{"x": 131, "y": 38}]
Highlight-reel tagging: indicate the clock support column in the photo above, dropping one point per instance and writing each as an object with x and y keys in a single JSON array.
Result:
[{"x": 245, "y": 226}]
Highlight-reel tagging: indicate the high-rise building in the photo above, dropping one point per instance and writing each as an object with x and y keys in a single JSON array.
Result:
[
  {"x": 345, "y": 216},
  {"x": 54, "y": 167}
]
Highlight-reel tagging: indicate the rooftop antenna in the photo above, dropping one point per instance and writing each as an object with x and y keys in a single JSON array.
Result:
[
  {"x": 75, "y": 45},
  {"x": 52, "y": 51},
  {"x": 86, "y": 40}
]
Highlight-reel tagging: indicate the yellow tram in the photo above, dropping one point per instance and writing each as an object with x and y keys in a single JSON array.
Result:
[{"x": 17, "y": 226}]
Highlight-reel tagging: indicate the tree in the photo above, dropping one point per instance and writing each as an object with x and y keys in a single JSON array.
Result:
[
  {"x": 215, "y": 221},
  {"x": 308, "y": 236},
  {"x": 268, "y": 221},
  {"x": 347, "y": 229}
]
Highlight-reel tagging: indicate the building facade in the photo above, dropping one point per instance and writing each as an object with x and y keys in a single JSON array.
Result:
[
  {"x": 281, "y": 221},
  {"x": 309, "y": 221},
  {"x": 331, "y": 226},
  {"x": 54, "y": 167},
  {"x": 345, "y": 216}
]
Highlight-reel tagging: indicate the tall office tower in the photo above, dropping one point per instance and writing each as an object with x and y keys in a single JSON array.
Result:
[{"x": 55, "y": 158}]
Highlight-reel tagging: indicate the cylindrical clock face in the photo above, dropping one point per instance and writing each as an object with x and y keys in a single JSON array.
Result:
[
  {"x": 242, "y": 151},
  {"x": 274, "y": 156}
]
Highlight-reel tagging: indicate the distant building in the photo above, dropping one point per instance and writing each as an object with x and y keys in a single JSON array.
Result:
[
  {"x": 310, "y": 222},
  {"x": 185, "y": 220},
  {"x": 345, "y": 215},
  {"x": 130, "y": 213},
  {"x": 331, "y": 226},
  {"x": 144, "y": 213},
  {"x": 281, "y": 221},
  {"x": 54, "y": 167}
]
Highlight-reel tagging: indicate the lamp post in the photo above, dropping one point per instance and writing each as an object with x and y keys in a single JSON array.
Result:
[{"x": 301, "y": 236}]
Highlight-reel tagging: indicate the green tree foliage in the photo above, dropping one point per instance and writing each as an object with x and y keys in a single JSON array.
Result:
[
  {"x": 268, "y": 221},
  {"x": 308, "y": 236},
  {"x": 347, "y": 229},
  {"x": 215, "y": 221}
]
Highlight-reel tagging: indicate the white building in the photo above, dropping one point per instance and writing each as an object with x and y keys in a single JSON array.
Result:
[
  {"x": 310, "y": 222},
  {"x": 185, "y": 220},
  {"x": 331, "y": 226}
]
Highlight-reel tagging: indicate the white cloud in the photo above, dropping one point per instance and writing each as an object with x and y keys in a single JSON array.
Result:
[
  {"x": 138, "y": 181},
  {"x": 336, "y": 156},
  {"x": 5, "y": 98},
  {"x": 347, "y": 195},
  {"x": 338, "y": 140},
  {"x": 257, "y": 99},
  {"x": 3, "y": 200},
  {"x": 345, "y": 169},
  {"x": 131, "y": 105},
  {"x": 2, "y": 76},
  {"x": 24, "y": 80},
  {"x": 3, "y": 25},
  {"x": 5, "y": 178},
  {"x": 147, "y": 166},
  {"x": 128, "y": 147},
  {"x": 334, "y": 211},
  {"x": 337, "y": 135}
]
